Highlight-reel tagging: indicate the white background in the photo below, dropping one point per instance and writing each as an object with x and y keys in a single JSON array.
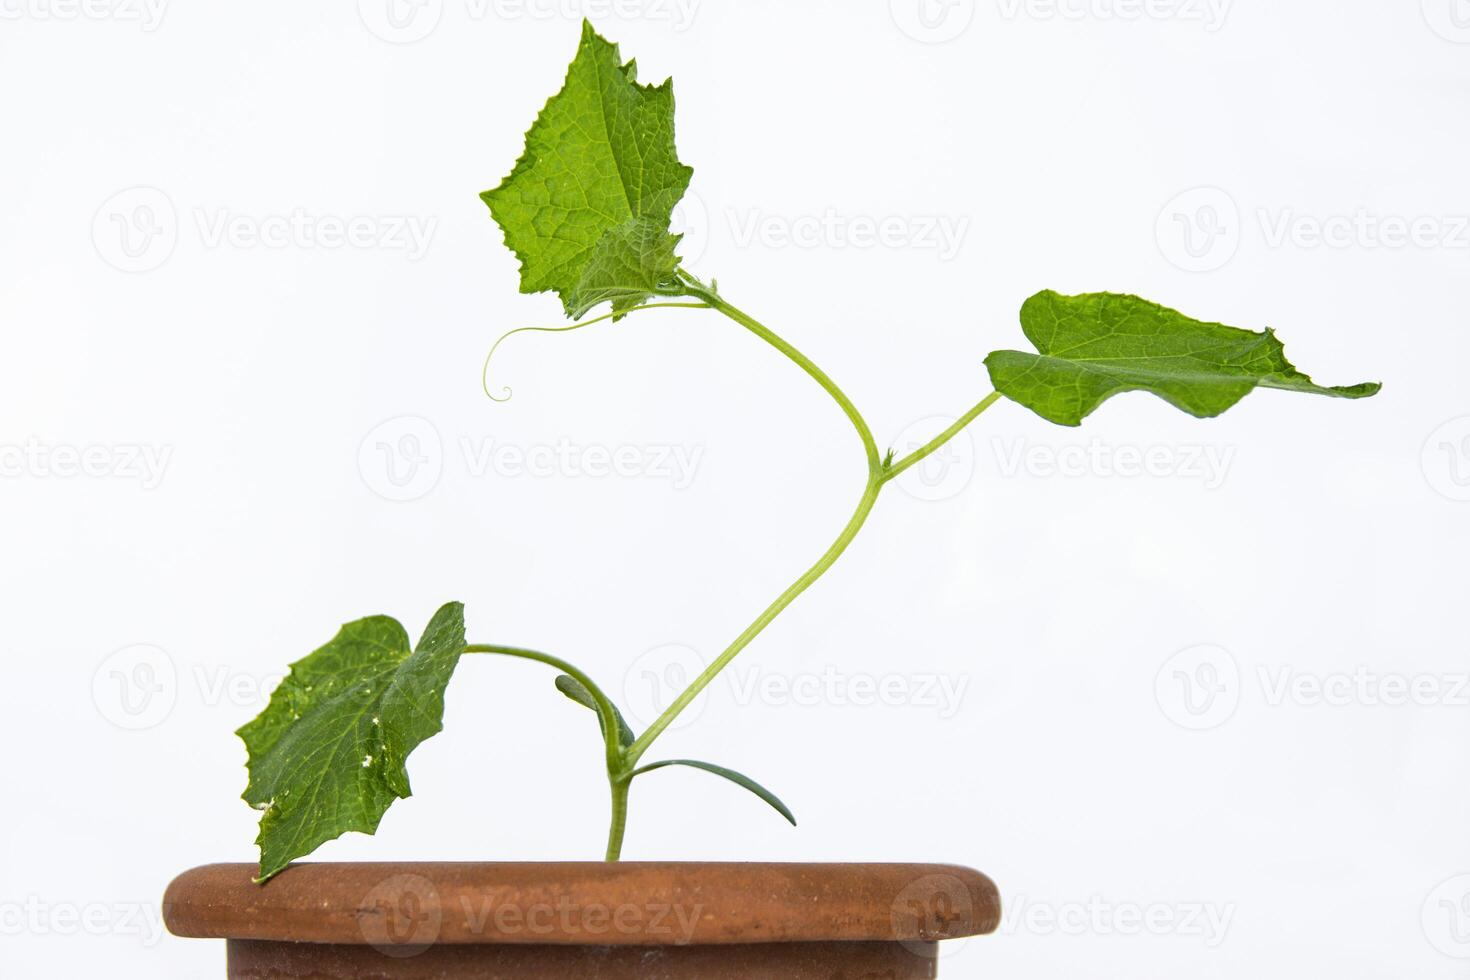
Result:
[{"x": 145, "y": 610}]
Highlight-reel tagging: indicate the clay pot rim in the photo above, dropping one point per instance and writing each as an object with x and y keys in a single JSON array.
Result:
[{"x": 583, "y": 903}]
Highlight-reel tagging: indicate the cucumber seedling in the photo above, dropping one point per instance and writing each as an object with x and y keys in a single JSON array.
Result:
[{"x": 587, "y": 210}]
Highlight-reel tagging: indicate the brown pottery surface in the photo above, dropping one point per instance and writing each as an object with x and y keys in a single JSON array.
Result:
[{"x": 649, "y": 920}]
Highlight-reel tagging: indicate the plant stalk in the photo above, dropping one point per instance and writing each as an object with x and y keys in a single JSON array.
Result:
[
  {"x": 938, "y": 441},
  {"x": 878, "y": 475},
  {"x": 619, "y": 824},
  {"x": 635, "y": 751},
  {"x": 622, "y": 762}
]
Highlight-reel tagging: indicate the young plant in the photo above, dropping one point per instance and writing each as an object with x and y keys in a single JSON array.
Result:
[{"x": 587, "y": 211}]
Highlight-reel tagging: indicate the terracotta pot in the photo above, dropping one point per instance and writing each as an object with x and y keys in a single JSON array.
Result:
[{"x": 649, "y": 921}]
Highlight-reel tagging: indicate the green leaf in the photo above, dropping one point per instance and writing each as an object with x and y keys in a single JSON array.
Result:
[
  {"x": 588, "y": 205},
  {"x": 574, "y": 689},
  {"x": 327, "y": 754},
  {"x": 629, "y": 264},
  {"x": 1093, "y": 346},
  {"x": 737, "y": 778}
]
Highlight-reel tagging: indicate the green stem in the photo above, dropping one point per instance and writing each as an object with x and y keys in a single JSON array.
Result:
[
  {"x": 621, "y": 762},
  {"x": 854, "y": 524},
  {"x": 605, "y": 709},
  {"x": 849, "y": 531},
  {"x": 933, "y": 444},
  {"x": 619, "y": 824},
  {"x": 714, "y": 301}
]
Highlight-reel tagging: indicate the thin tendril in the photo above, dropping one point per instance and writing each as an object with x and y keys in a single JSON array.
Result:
[{"x": 506, "y": 392}]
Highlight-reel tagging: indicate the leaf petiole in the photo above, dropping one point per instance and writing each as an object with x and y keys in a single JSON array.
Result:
[
  {"x": 605, "y": 709},
  {"x": 892, "y": 469}
]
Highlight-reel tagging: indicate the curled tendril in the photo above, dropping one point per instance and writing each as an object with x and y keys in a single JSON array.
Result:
[{"x": 505, "y": 389}]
